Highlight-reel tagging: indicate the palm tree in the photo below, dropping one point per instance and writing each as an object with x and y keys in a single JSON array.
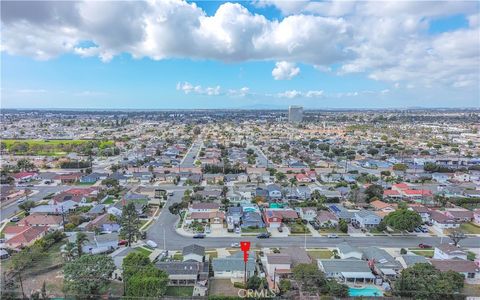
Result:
[
  {"x": 70, "y": 250},
  {"x": 81, "y": 239},
  {"x": 293, "y": 182}
]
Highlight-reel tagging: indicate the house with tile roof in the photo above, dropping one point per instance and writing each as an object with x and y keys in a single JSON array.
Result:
[{"x": 26, "y": 237}]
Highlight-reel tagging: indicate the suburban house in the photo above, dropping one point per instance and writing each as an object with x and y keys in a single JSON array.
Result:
[
  {"x": 193, "y": 253},
  {"x": 327, "y": 219},
  {"x": 53, "y": 222},
  {"x": 211, "y": 217},
  {"x": 273, "y": 218},
  {"x": 22, "y": 177},
  {"x": 307, "y": 213},
  {"x": 234, "y": 215},
  {"x": 382, "y": 262},
  {"x": 447, "y": 251},
  {"x": 459, "y": 214},
  {"x": 347, "y": 270},
  {"x": 185, "y": 273},
  {"x": 25, "y": 237},
  {"x": 93, "y": 177},
  {"x": 232, "y": 267},
  {"x": 278, "y": 264},
  {"x": 469, "y": 269},
  {"x": 410, "y": 260},
  {"x": 423, "y": 211},
  {"x": 252, "y": 219},
  {"x": 274, "y": 191},
  {"x": 303, "y": 178},
  {"x": 441, "y": 221},
  {"x": 346, "y": 251},
  {"x": 366, "y": 219},
  {"x": 476, "y": 216},
  {"x": 202, "y": 207}
]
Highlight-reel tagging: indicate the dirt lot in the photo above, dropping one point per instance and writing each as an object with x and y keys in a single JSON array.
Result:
[
  {"x": 53, "y": 280},
  {"x": 222, "y": 287}
]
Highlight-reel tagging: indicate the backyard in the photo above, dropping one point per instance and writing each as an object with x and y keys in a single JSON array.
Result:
[{"x": 179, "y": 291}]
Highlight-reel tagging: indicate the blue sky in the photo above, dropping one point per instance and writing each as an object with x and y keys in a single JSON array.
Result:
[{"x": 334, "y": 56}]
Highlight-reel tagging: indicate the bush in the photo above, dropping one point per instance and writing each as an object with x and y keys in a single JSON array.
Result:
[
  {"x": 403, "y": 251},
  {"x": 238, "y": 285}
]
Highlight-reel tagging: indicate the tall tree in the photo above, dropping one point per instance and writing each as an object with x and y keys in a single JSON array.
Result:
[
  {"x": 142, "y": 278},
  {"x": 403, "y": 219},
  {"x": 79, "y": 241},
  {"x": 424, "y": 281},
  {"x": 88, "y": 275},
  {"x": 456, "y": 236},
  {"x": 310, "y": 278},
  {"x": 130, "y": 223}
]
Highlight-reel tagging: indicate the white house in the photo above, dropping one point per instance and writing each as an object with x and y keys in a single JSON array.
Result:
[
  {"x": 441, "y": 221},
  {"x": 278, "y": 264},
  {"x": 232, "y": 267},
  {"x": 204, "y": 207},
  {"x": 447, "y": 251},
  {"x": 307, "y": 213},
  {"x": 193, "y": 253},
  {"x": 346, "y": 251},
  {"x": 366, "y": 218},
  {"x": 422, "y": 211}
]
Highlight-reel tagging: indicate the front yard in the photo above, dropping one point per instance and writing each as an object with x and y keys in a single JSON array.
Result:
[
  {"x": 253, "y": 230},
  {"x": 296, "y": 228},
  {"x": 144, "y": 250},
  {"x": 423, "y": 252},
  {"x": 320, "y": 254},
  {"x": 470, "y": 228}
]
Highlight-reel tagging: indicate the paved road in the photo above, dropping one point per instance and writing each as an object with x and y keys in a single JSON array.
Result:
[
  {"x": 174, "y": 241},
  {"x": 189, "y": 159},
  {"x": 11, "y": 208}
]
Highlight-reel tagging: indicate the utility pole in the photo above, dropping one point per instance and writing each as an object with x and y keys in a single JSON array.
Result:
[{"x": 164, "y": 240}]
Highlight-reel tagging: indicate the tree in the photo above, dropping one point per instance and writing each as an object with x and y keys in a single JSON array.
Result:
[
  {"x": 456, "y": 236},
  {"x": 284, "y": 285},
  {"x": 424, "y": 281},
  {"x": 26, "y": 206},
  {"x": 403, "y": 219},
  {"x": 343, "y": 225},
  {"x": 79, "y": 241},
  {"x": 142, "y": 278},
  {"x": 88, "y": 275},
  {"x": 254, "y": 283},
  {"x": 374, "y": 191},
  {"x": 336, "y": 289},
  {"x": 25, "y": 165},
  {"x": 400, "y": 167},
  {"x": 293, "y": 182},
  {"x": 130, "y": 223},
  {"x": 310, "y": 278}
]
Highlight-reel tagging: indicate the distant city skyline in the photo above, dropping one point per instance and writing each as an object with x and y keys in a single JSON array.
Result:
[{"x": 240, "y": 55}]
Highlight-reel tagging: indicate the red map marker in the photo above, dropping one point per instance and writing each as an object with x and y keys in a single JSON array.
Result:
[{"x": 245, "y": 247}]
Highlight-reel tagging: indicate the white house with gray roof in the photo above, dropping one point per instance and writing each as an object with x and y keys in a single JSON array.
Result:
[
  {"x": 233, "y": 266},
  {"x": 346, "y": 251},
  {"x": 346, "y": 270}
]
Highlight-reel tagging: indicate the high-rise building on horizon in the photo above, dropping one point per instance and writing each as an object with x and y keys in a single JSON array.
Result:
[{"x": 295, "y": 114}]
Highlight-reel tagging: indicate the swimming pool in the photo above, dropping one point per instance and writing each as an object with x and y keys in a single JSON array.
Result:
[{"x": 368, "y": 291}]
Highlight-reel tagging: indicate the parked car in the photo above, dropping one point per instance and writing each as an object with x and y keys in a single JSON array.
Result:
[
  {"x": 238, "y": 230},
  {"x": 21, "y": 200},
  {"x": 280, "y": 229},
  {"x": 15, "y": 219},
  {"x": 263, "y": 236},
  {"x": 424, "y": 246},
  {"x": 332, "y": 236},
  {"x": 235, "y": 245},
  {"x": 417, "y": 230},
  {"x": 199, "y": 236},
  {"x": 122, "y": 242},
  {"x": 207, "y": 230},
  {"x": 152, "y": 244}
]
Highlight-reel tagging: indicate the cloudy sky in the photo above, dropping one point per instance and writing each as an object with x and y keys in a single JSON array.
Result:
[{"x": 209, "y": 54}]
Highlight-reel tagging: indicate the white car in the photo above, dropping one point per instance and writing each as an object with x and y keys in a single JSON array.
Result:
[
  {"x": 235, "y": 245},
  {"x": 21, "y": 200},
  {"x": 332, "y": 236},
  {"x": 152, "y": 244},
  {"x": 237, "y": 230}
]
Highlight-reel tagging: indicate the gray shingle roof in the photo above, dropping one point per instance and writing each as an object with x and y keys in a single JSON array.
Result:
[
  {"x": 234, "y": 263},
  {"x": 410, "y": 260},
  {"x": 345, "y": 248},
  {"x": 195, "y": 249},
  {"x": 345, "y": 265},
  {"x": 180, "y": 268}
]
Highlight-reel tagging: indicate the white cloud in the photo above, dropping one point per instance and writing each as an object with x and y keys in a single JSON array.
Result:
[
  {"x": 387, "y": 40},
  {"x": 285, "y": 70},
  {"x": 242, "y": 92},
  {"x": 297, "y": 94},
  {"x": 188, "y": 88}
]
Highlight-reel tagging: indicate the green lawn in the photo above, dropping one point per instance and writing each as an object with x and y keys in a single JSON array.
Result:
[
  {"x": 212, "y": 254},
  {"x": 470, "y": 228},
  {"x": 143, "y": 250},
  {"x": 298, "y": 228},
  {"x": 51, "y": 147},
  {"x": 179, "y": 291},
  {"x": 427, "y": 253},
  {"x": 320, "y": 254},
  {"x": 253, "y": 230},
  {"x": 109, "y": 200},
  {"x": 178, "y": 256}
]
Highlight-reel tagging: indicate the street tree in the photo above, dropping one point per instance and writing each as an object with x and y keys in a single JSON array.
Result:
[
  {"x": 374, "y": 191},
  {"x": 130, "y": 223},
  {"x": 79, "y": 241},
  {"x": 456, "y": 236}
]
